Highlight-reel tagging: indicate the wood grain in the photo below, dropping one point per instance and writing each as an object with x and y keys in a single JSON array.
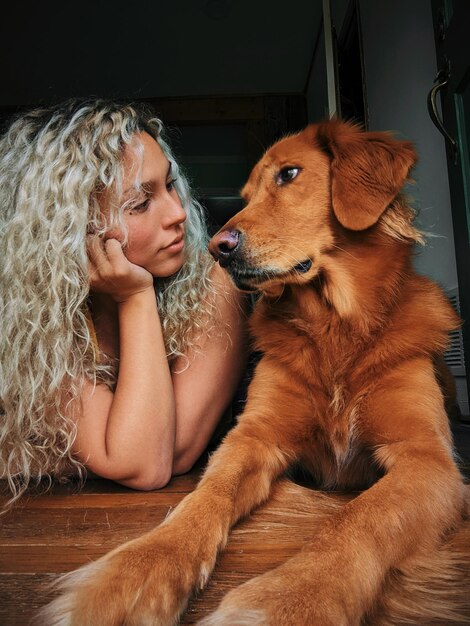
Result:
[
  {"x": 53, "y": 533},
  {"x": 49, "y": 534}
]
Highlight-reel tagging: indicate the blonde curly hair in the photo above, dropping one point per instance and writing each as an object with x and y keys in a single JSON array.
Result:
[{"x": 53, "y": 163}]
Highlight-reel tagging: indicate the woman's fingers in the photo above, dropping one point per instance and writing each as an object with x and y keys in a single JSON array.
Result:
[
  {"x": 97, "y": 260},
  {"x": 96, "y": 252},
  {"x": 106, "y": 256},
  {"x": 115, "y": 254},
  {"x": 111, "y": 272}
]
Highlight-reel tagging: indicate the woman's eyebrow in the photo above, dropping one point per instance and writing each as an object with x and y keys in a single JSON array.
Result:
[
  {"x": 145, "y": 188},
  {"x": 147, "y": 185},
  {"x": 150, "y": 183}
]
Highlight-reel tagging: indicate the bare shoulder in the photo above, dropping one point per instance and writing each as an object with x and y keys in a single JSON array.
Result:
[
  {"x": 222, "y": 281},
  {"x": 227, "y": 295}
]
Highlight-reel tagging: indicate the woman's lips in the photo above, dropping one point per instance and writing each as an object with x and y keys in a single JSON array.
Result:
[{"x": 176, "y": 246}]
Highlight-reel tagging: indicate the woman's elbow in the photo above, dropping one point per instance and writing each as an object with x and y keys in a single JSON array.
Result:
[
  {"x": 149, "y": 480},
  {"x": 184, "y": 461},
  {"x": 188, "y": 451}
]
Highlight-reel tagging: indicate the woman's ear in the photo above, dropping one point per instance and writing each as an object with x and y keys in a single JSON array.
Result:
[{"x": 368, "y": 169}]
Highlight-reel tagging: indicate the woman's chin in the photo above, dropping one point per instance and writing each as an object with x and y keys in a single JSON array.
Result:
[{"x": 167, "y": 269}]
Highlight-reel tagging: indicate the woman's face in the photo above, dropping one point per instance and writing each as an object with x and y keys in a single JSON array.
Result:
[{"x": 153, "y": 215}]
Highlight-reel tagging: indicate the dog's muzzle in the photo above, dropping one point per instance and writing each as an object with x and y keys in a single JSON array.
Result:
[{"x": 224, "y": 246}]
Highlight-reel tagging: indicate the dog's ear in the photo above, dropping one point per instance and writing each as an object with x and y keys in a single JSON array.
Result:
[{"x": 368, "y": 169}]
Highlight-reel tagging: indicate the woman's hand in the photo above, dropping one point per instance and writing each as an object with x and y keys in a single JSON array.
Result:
[{"x": 112, "y": 273}]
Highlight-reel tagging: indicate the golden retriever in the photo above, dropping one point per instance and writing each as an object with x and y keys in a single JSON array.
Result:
[{"x": 346, "y": 388}]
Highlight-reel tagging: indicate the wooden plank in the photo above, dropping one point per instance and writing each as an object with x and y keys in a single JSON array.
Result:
[
  {"x": 101, "y": 494},
  {"x": 23, "y": 594},
  {"x": 41, "y": 559},
  {"x": 98, "y": 501},
  {"x": 56, "y": 533},
  {"x": 62, "y": 526},
  {"x": 108, "y": 524},
  {"x": 33, "y": 567},
  {"x": 53, "y": 540}
]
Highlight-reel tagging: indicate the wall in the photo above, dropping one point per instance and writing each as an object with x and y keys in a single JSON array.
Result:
[{"x": 400, "y": 67}]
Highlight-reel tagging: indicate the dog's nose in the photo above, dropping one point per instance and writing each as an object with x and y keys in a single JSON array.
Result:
[{"x": 223, "y": 246}]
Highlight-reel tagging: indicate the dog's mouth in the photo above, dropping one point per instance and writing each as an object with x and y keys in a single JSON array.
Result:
[{"x": 249, "y": 278}]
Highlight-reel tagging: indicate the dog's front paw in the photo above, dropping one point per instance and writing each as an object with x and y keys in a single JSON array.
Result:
[
  {"x": 277, "y": 599},
  {"x": 235, "y": 616},
  {"x": 145, "y": 582}
]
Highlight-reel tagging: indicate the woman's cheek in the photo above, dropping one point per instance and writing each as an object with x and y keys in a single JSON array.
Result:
[
  {"x": 141, "y": 244},
  {"x": 114, "y": 233}
]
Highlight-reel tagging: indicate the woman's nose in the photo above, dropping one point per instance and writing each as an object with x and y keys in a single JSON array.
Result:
[{"x": 176, "y": 213}]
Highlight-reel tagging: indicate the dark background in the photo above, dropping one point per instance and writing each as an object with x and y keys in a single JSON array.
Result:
[{"x": 227, "y": 77}]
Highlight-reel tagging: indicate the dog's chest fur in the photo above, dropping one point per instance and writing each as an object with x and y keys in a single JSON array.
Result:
[
  {"x": 322, "y": 358},
  {"x": 336, "y": 363}
]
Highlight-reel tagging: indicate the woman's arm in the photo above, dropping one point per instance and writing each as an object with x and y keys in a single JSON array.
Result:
[
  {"x": 128, "y": 436},
  {"x": 155, "y": 423},
  {"x": 204, "y": 389}
]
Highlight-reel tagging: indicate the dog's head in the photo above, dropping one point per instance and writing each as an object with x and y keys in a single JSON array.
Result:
[{"x": 301, "y": 194}]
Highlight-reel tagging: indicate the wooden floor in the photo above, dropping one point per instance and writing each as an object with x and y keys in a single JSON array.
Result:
[{"x": 56, "y": 532}]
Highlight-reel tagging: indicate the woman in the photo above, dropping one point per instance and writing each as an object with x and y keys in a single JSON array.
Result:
[{"x": 121, "y": 342}]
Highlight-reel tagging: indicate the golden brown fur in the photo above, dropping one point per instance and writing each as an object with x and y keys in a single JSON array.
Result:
[{"x": 346, "y": 389}]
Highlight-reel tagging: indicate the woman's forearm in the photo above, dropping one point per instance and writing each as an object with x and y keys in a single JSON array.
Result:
[
  {"x": 129, "y": 435},
  {"x": 141, "y": 425},
  {"x": 154, "y": 422}
]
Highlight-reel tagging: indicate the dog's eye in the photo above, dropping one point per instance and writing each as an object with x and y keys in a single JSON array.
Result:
[{"x": 286, "y": 175}]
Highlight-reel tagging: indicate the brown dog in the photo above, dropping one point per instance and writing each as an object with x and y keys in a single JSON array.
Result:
[{"x": 346, "y": 388}]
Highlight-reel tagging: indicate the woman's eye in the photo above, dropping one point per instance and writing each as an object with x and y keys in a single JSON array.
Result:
[
  {"x": 140, "y": 208},
  {"x": 171, "y": 184},
  {"x": 286, "y": 175}
]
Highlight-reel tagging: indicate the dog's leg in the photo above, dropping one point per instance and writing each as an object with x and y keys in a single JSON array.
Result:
[
  {"x": 339, "y": 574},
  {"x": 149, "y": 580}
]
